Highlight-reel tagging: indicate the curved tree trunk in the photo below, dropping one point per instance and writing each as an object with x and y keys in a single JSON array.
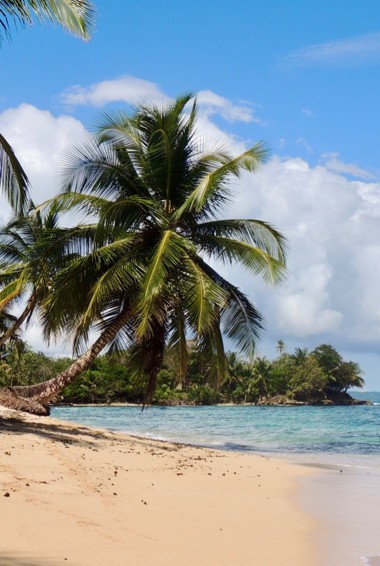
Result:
[
  {"x": 24, "y": 315},
  {"x": 42, "y": 393}
]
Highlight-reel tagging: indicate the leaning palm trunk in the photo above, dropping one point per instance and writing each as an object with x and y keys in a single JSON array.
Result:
[
  {"x": 21, "y": 319},
  {"x": 33, "y": 397}
]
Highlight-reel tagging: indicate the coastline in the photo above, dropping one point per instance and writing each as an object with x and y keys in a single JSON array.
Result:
[{"x": 87, "y": 496}]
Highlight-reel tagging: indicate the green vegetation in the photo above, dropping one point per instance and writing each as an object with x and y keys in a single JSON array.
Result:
[{"x": 320, "y": 376}]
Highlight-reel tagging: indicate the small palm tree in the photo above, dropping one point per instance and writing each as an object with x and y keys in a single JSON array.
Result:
[
  {"x": 144, "y": 277},
  {"x": 235, "y": 373},
  {"x": 300, "y": 355},
  {"x": 261, "y": 372},
  {"x": 29, "y": 261},
  {"x": 280, "y": 347}
]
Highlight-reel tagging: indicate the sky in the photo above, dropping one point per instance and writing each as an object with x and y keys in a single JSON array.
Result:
[{"x": 302, "y": 76}]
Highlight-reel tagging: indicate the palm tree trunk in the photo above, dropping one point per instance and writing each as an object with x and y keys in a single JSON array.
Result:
[
  {"x": 44, "y": 392},
  {"x": 24, "y": 315}
]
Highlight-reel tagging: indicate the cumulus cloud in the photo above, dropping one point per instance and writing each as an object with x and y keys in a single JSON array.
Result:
[
  {"x": 130, "y": 90},
  {"x": 211, "y": 104},
  {"x": 333, "y": 230},
  {"x": 356, "y": 50},
  {"x": 304, "y": 305},
  {"x": 39, "y": 140}
]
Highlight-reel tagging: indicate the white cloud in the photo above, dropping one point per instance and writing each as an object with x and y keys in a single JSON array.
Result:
[
  {"x": 211, "y": 104},
  {"x": 331, "y": 162},
  {"x": 332, "y": 225},
  {"x": 130, "y": 90},
  {"x": 304, "y": 304},
  {"x": 356, "y": 50},
  {"x": 59, "y": 348},
  {"x": 39, "y": 140}
]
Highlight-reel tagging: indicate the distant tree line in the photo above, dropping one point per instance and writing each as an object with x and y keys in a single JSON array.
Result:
[{"x": 318, "y": 376}]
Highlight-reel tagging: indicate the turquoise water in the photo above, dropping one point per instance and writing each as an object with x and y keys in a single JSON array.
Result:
[{"x": 328, "y": 433}]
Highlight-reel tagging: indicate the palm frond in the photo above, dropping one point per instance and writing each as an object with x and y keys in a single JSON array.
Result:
[
  {"x": 77, "y": 16},
  {"x": 168, "y": 256},
  {"x": 257, "y": 261},
  {"x": 241, "y": 321},
  {"x": 14, "y": 182},
  {"x": 255, "y": 232},
  {"x": 10, "y": 292},
  {"x": 102, "y": 169},
  {"x": 203, "y": 297},
  {"x": 211, "y": 183}
]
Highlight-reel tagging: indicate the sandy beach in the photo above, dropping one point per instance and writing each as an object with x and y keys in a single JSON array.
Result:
[{"x": 81, "y": 496}]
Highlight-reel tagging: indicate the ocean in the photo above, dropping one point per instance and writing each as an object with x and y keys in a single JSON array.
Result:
[{"x": 331, "y": 434}]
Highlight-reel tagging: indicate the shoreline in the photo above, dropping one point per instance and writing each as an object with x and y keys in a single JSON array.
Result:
[
  {"x": 86, "y": 496},
  {"x": 269, "y": 403}
]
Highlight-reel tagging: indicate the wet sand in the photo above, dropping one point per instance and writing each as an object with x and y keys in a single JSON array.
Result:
[
  {"x": 74, "y": 495},
  {"x": 345, "y": 499}
]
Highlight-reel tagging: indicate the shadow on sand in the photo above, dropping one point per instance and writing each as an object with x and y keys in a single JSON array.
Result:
[
  {"x": 12, "y": 559},
  {"x": 65, "y": 433}
]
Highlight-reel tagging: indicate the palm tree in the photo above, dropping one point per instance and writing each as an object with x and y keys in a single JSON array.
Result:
[
  {"x": 262, "y": 376},
  {"x": 29, "y": 261},
  {"x": 235, "y": 372},
  {"x": 143, "y": 279},
  {"x": 299, "y": 356},
  {"x": 280, "y": 347},
  {"x": 75, "y": 15},
  {"x": 7, "y": 320}
]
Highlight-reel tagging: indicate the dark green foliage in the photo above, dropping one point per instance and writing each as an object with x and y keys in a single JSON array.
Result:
[
  {"x": 317, "y": 377},
  {"x": 308, "y": 382},
  {"x": 203, "y": 395},
  {"x": 341, "y": 375}
]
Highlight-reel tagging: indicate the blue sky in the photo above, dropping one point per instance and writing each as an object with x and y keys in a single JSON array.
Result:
[{"x": 302, "y": 76}]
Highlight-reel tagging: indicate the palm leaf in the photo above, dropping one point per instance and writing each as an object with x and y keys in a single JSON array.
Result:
[
  {"x": 256, "y": 232},
  {"x": 13, "y": 180},
  {"x": 241, "y": 321},
  {"x": 12, "y": 291},
  {"x": 257, "y": 261},
  {"x": 203, "y": 297},
  {"x": 75, "y": 15},
  {"x": 212, "y": 183},
  {"x": 168, "y": 257}
]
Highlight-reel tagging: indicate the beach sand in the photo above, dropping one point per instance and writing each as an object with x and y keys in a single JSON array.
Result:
[{"x": 80, "y": 496}]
